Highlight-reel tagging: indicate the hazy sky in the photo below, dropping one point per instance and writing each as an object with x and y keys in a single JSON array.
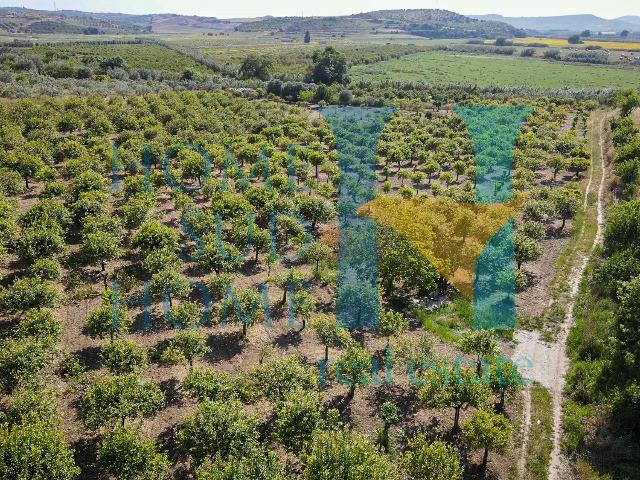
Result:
[{"x": 252, "y": 8}]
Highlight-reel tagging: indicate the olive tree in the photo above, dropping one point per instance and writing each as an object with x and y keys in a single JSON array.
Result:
[
  {"x": 107, "y": 320},
  {"x": 123, "y": 357},
  {"x": 455, "y": 388},
  {"x": 330, "y": 333},
  {"x": 482, "y": 344},
  {"x": 255, "y": 464},
  {"x": 525, "y": 249},
  {"x": 315, "y": 209},
  {"x": 126, "y": 454},
  {"x": 35, "y": 451},
  {"x": 392, "y": 323},
  {"x": 154, "y": 235},
  {"x": 206, "y": 384},
  {"x": 353, "y": 368},
  {"x": 28, "y": 293},
  {"x": 101, "y": 247},
  {"x": 297, "y": 418},
  {"x": 189, "y": 344},
  {"x": 432, "y": 461},
  {"x": 21, "y": 361},
  {"x": 488, "y": 431},
  {"x": 345, "y": 454},
  {"x": 119, "y": 398},
  {"x": 218, "y": 428}
]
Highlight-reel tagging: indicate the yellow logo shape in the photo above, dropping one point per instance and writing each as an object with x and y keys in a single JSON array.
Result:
[{"x": 451, "y": 235}]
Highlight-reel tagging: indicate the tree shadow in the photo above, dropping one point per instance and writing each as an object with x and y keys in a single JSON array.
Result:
[
  {"x": 90, "y": 357},
  {"x": 407, "y": 401},
  {"x": 84, "y": 454},
  {"x": 343, "y": 404},
  {"x": 224, "y": 346},
  {"x": 168, "y": 442},
  {"x": 291, "y": 338},
  {"x": 171, "y": 389}
]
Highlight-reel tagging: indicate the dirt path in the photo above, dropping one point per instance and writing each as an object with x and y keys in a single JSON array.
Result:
[{"x": 548, "y": 362}]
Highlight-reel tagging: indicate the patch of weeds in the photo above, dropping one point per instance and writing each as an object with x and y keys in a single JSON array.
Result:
[
  {"x": 431, "y": 321},
  {"x": 552, "y": 318},
  {"x": 540, "y": 434}
]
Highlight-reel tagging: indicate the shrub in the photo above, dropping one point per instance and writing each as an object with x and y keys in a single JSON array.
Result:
[
  {"x": 35, "y": 451},
  {"x": 218, "y": 428},
  {"x": 27, "y": 293},
  {"x": 127, "y": 455},
  {"x": 40, "y": 324},
  {"x": 254, "y": 465},
  {"x": 552, "y": 54},
  {"x": 119, "y": 398},
  {"x": 206, "y": 384},
  {"x": 344, "y": 454},
  {"x": 33, "y": 405},
  {"x": 45, "y": 269},
  {"x": 280, "y": 376},
  {"x": 435, "y": 461},
  {"x": 123, "y": 356},
  {"x": 297, "y": 418},
  {"x": 20, "y": 361}
]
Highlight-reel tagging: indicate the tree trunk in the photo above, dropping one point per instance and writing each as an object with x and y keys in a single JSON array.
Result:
[
  {"x": 385, "y": 438},
  {"x": 456, "y": 419},
  {"x": 485, "y": 459},
  {"x": 326, "y": 353},
  {"x": 352, "y": 390},
  {"x": 244, "y": 330},
  {"x": 104, "y": 281}
]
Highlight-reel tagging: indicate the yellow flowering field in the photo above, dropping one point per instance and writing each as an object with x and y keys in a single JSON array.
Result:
[{"x": 562, "y": 42}]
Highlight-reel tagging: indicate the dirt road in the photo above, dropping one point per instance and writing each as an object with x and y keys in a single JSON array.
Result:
[{"x": 548, "y": 361}]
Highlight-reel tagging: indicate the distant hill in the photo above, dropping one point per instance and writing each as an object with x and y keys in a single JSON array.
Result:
[
  {"x": 427, "y": 23},
  {"x": 632, "y": 19},
  {"x": 567, "y": 23},
  {"x": 24, "y": 20}
]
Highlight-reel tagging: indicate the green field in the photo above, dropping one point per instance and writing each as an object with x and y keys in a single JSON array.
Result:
[
  {"x": 443, "y": 67},
  {"x": 136, "y": 56}
]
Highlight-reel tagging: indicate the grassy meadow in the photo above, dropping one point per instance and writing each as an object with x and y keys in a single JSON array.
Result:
[{"x": 445, "y": 67}]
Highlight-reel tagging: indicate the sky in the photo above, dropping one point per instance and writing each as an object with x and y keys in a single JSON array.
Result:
[{"x": 254, "y": 8}]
